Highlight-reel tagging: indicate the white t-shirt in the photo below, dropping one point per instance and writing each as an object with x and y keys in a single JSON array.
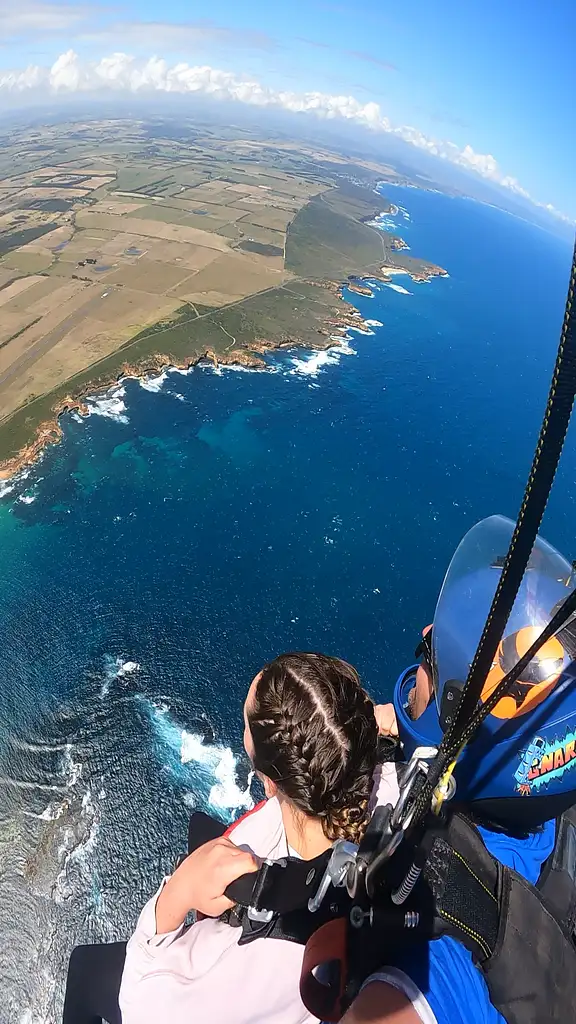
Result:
[{"x": 201, "y": 974}]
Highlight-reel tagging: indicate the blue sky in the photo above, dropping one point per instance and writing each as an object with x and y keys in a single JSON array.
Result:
[{"x": 494, "y": 75}]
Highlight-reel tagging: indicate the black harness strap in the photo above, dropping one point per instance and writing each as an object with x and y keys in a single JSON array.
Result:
[{"x": 280, "y": 886}]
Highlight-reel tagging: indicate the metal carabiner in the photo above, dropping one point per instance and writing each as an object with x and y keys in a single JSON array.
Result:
[{"x": 342, "y": 856}]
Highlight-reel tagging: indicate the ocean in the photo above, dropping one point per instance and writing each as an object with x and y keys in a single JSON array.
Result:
[{"x": 195, "y": 525}]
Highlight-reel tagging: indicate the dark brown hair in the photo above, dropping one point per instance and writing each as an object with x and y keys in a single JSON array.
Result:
[{"x": 315, "y": 736}]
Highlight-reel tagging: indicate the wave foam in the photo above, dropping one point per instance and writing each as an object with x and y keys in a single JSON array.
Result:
[
  {"x": 154, "y": 383},
  {"x": 223, "y": 368},
  {"x": 6, "y": 488},
  {"x": 214, "y": 766},
  {"x": 75, "y": 851},
  {"x": 398, "y": 288},
  {"x": 53, "y": 811},
  {"x": 116, "y": 668},
  {"x": 71, "y": 770},
  {"x": 312, "y": 365},
  {"x": 110, "y": 405},
  {"x": 27, "y": 499},
  {"x": 360, "y": 330}
]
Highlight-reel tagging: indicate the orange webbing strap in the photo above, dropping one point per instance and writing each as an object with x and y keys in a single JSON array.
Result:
[{"x": 325, "y": 971}]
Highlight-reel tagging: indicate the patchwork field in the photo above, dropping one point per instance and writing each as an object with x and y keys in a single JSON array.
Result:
[{"x": 117, "y": 243}]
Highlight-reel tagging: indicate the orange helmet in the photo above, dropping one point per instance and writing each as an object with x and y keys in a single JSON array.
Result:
[{"x": 538, "y": 678}]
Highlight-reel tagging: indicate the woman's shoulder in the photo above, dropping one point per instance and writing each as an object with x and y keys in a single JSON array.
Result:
[{"x": 261, "y": 829}]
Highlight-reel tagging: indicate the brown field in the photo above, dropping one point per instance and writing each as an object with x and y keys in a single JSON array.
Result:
[
  {"x": 50, "y": 172},
  {"x": 87, "y": 341},
  {"x": 10, "y": 324},
  {"x": 123, "y": 308},
  {"x": 53, "y": 238},
  {"x": 116, "y": 207},
  {"x": 167, "y": 215},
  {"x": 16, "y": 288},
  {"x": 96, "y": 182},
  {"x": 266, "y": 262},
  {"x": 153, "y": 229},
  {"x": 87, "y": 243},
  {"x": 52, "y": 193},
  {"x": 45, "y": 295},
  {"x": 194, "y": 257},
  {"x": 216, "y": 209},
  {"x": 264, "y": 235},
  {"x": 232, "y": 276},
  {"x": 35, "y": 336},
  {"x": 267, "y": 217},
  {"x": 250, "y": 203},
  {"x": 244, "y": 189},
  {"x": 202, "y": 193},
  {"x": 149, "y": 276},
  {"x": 6, "y": 276},
  {"x": 30, "y": 259}
]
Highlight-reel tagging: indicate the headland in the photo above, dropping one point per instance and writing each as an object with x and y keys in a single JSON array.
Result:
[{"x": 180, "y": 250}]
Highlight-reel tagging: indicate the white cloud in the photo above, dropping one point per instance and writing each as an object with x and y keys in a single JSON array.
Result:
[
  {"x": 27, "y": 18},
  {"x": 176, "y": 37},
  {"x": 124, "y": 73}
]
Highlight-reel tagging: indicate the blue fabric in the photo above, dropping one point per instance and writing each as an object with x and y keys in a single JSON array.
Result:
[{"x": 444, "y": 971}]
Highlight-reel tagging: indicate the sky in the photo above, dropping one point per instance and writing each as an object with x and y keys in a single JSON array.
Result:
[{"x": 486, "y": 84}]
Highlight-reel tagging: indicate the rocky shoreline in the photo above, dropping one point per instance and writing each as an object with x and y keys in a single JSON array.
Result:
[{"x": 50, "y": 431}]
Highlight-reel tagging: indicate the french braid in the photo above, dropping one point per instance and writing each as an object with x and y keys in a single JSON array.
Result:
[{"x": 315, "y": 736}]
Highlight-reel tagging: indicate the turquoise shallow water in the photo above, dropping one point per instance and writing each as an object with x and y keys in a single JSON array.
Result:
[{"x": 190, "y": 529}]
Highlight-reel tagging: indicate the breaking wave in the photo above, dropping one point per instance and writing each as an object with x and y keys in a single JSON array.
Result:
[
  {"x": 116, "y": 668},
  {"x": 110, "y": 405},
  {"x": 154, "y": 383},
  {"x": 398, "y": 288},
  {"x": 312, "y": 365},
  {"x": 206, "y": 771}
]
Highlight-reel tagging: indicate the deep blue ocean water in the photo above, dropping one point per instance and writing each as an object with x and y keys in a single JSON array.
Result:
[{"x": 189, "y": 530}]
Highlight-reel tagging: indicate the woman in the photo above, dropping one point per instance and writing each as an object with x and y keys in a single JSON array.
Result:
[{"x": 312, "y": 737}]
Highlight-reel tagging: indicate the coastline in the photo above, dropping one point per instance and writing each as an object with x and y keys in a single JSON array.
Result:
[
  {"x": 50, "y": 431},
  {"x": 332, "y": 330}
]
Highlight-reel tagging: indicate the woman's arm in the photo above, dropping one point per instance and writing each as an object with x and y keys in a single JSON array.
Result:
[{"x": 199, "y": 883}]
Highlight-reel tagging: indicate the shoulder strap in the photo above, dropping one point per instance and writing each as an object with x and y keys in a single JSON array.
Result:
[
  {"x": 524, "y": 950},
  {"x": 466, "y": 884},
  {"x": 557, "y": 881}
]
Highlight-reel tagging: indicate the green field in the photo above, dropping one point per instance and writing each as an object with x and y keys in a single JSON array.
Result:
[
  {"x": 325, "y": 240},
  {"x": 15, "y": 239}
]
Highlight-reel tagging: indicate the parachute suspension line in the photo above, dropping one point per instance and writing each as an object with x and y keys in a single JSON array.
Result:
[
  {"x": 564, "y": 613},
  {"x": 545, "y": 463}
]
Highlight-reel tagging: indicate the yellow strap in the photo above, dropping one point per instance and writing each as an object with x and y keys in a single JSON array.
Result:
[{"x": 441, "y": 791}]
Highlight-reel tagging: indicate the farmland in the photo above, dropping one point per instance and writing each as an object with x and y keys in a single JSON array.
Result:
[{"x": 118, "y": 245}]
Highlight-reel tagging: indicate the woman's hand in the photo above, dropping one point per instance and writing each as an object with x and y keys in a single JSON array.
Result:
[
  {"x": 199, "y": 883},
  {"x": 386, "y": 720}
]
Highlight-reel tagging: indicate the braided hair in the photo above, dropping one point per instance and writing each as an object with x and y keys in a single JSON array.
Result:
[{"x": 315, "y": 736}]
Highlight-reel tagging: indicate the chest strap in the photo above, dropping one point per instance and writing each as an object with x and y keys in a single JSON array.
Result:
[{"x": 273, "y": 902}]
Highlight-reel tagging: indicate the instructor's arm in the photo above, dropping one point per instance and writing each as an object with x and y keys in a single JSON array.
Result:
[{"x": 380, "y": 1003}]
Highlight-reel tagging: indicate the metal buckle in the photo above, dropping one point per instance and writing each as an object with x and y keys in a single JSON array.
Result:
[
  {"x": 259, "y": 914},
  {"x": 400, "y": 819},
  {"x": 342, "y": 856}
]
